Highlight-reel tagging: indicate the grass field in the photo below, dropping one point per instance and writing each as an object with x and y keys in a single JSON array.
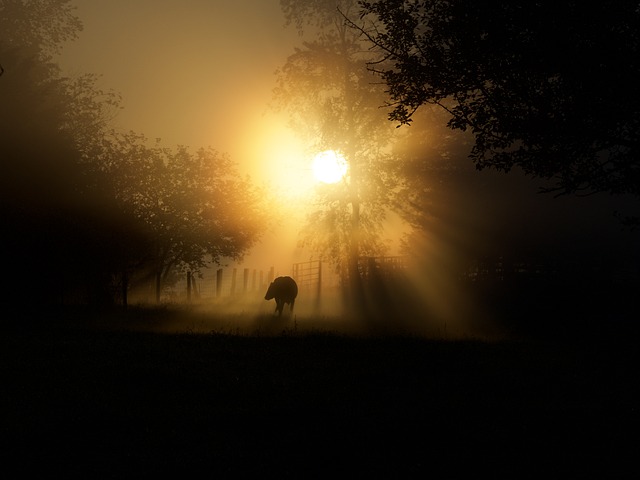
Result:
[{"x": 116, "y": 398}]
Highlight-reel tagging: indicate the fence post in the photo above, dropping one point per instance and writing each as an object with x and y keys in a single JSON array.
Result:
[
  {"x": 189, "y": 286},
  {"x": 218, "y": 282},
  {"x": 194, "y": 287},
  {"x": 245, "y": 280},
  {"x": 125, "y": 288},
  {"x": 253, "y": 281},
  {"x": 233, "y": 280},
  {"x": 319, "y": 279},
  {"x": 270, "y": 276},
  {"x": 261, "y": 280}
]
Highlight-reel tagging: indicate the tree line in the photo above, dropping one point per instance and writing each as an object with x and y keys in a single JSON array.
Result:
[{"x": 86, "y": 208}]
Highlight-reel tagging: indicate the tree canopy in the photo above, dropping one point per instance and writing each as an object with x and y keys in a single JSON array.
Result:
[
  {"x": 39, "y": 26},
  {"x": 547, "y": 86},
  {"x": 83, "y": 208},
  {"x": 334, "y": 105},
  {"x": 194, "y": 206}
]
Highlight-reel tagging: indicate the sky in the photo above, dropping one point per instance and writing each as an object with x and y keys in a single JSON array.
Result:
[
  {"x": 198, "y": 73},
  {"x": 201, "y": 73},
  {"x": 191, "y": 72}
]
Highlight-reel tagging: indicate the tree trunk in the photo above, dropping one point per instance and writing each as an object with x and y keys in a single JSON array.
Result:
[
  {"x": 125, "y": 288},
  {"x": 356, "y": 291},
  {"x": 158, "y": 285}
]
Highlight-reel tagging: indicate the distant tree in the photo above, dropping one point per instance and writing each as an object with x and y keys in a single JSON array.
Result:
[
  {"x": 548, "y": 86},
  {"x": 51, "y": 196},
  {"x": 40, "y": 27},
  {"x": 48, "y": 122},
  {"x": 59, "y": 214},
  {"x": 195, "y": 207},
  {"x": 333, "y": 104}
]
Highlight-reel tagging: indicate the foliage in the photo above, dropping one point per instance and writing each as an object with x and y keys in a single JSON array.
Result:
[
  {"x": 546, "y": 86},
  {"x": 39, "y": 26},
  {"x": 333, "y": 104},
  {"x": 84, "y": 208},
  {"x": 195, "y": 206},
  {"x": 60, "y": 217},
  {"x": 317, "y": 14}
]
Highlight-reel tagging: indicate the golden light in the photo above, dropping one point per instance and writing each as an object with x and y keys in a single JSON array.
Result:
[
  {"x": 329, "y": 166},
  {"x": 276, "y": 157}
]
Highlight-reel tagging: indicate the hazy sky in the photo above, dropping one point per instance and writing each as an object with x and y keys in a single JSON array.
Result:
[
  {"x": 191, "y": 72},
  {"x": 198, "y": 73},
  {"x": 201, "y": 73}
]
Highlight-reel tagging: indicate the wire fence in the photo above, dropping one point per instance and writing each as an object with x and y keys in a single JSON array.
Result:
[
  {"x": 313, "y": 277},
  {"x": 228, "y": 282}
]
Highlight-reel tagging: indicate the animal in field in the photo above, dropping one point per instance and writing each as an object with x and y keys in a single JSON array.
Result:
[{"x": 284, "y": 290}]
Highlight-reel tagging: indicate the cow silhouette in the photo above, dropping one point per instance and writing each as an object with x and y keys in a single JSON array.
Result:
[{"x": 284, "y": 290}]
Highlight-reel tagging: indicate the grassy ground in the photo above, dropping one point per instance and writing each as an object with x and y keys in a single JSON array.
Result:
[{"x": 81, "y": 398}]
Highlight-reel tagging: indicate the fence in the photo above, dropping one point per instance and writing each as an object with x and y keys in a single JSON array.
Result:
[
  {"x": 308, "y": 276},
  {"x": 312, "y": 278},
  {"x": 227, "y": 282},
  {"x": 386, "y": 266}
]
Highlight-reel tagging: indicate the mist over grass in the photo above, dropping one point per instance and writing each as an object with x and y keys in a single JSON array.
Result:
[
  {"x": 247, "y": 316},
  {"x": 182, "y": 391}
]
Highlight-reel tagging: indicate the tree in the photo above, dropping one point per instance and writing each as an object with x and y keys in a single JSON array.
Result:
[
  {"x": 333, "y": 103},
  {"x": 40, "y": 27},
  {"x": 58, "y": 212},
  {"x": 195, "y": 207},
  {"x": 546, "y": 86},
  {"x": 85, "y": 208}
]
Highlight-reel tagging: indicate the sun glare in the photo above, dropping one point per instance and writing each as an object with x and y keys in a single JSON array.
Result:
[{"x": 329, "y": 166}]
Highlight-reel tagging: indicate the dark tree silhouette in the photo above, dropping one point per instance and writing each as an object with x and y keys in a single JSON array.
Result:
[
  {"x": 81, "y": 207},
  {"x": 547, "y": 86},
  {"x": 194, "y": 206},
  {"x": 58, "y": 215},
  {"x": 41, "y": 27}
]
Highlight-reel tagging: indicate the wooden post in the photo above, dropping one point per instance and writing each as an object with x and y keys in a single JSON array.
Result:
[
  {"x": 189, "y": 286},
  {"x": 125, "y": 288},
  {"x": 253, "y": 281},
  {"x": 196, "y": 293},
  {"x": 270, "y": 276},
  {"x": 245, "y": 280},
  {"x": 233, "y": 280},
  {"x": 319, "y": 279},
  {"x": 218, "y": 282}
]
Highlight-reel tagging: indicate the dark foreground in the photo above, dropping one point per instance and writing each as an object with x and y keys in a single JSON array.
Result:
[{"x": 120, "y": 404}]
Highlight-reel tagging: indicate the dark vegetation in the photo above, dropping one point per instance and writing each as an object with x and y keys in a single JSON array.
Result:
[
  {"x": 81, "y": 399},
  {"x": 544, "y": 86},
  {"x": 90, "y": 211}
]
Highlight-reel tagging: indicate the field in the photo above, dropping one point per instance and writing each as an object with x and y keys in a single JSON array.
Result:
[{"x": 114, "y": 397}]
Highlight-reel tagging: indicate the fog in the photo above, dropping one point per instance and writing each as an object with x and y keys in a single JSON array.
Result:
[{"x": 200, "y": 74}]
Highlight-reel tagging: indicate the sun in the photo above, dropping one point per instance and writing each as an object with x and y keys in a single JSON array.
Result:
[{"x": 329, "y": 166}]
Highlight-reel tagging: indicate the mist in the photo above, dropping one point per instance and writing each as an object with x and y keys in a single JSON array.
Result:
[{"x": 195, "y": 81}]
